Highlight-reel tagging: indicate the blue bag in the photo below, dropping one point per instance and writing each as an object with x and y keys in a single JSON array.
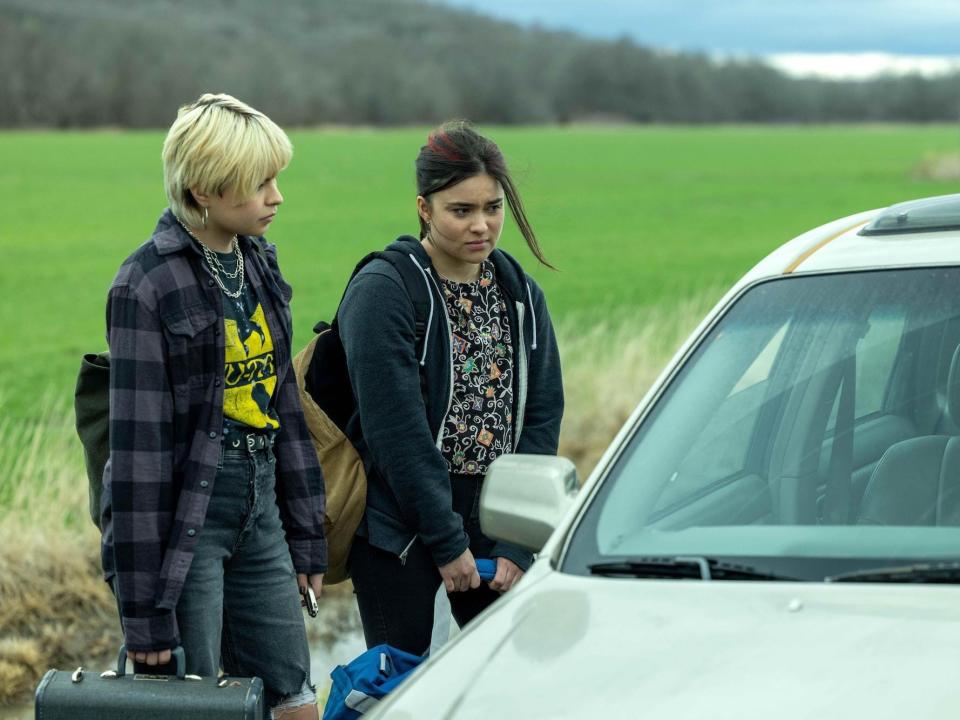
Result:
[{"x": 360, "y": 684}]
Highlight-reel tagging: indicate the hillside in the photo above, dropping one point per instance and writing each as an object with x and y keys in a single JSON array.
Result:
[{"x": 391, "y": 62}]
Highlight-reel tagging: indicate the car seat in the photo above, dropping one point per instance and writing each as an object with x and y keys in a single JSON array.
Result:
[{"x": 917, "y": 481}]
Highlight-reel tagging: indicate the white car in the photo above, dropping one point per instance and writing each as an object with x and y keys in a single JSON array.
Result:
[{"x": 775, "y": 532}]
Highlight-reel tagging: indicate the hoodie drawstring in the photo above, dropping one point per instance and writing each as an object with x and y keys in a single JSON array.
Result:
[
  {"x": 426, "y": 334},
  {"x": 533, "y": 318}
]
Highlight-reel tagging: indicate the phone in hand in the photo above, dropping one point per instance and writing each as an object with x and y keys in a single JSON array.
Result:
[{"x": 309, "y": 600}]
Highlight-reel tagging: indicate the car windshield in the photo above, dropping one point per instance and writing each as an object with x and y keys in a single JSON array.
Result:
[{"x": 814, "y": 431}]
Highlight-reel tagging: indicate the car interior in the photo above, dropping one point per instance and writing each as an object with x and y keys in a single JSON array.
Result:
[{"x": 827, "y": 400}]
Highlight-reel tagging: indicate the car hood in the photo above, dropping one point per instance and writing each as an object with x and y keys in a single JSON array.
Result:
[{"x": 577, "y": 647}]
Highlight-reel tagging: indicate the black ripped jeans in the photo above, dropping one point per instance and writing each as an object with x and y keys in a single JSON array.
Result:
[{"x": 396, "y": 599}]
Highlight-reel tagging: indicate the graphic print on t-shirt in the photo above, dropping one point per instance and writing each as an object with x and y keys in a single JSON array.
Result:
[
  {"x": 479, "y": 425},
  {"x": 250, "y": 375}
]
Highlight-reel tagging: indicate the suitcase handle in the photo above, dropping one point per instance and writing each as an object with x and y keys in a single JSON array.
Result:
[{"x": 178, "y": 656}]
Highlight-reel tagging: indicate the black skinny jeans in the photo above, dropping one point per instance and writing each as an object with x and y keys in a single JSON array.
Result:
[{"x": 396, "y": 600}]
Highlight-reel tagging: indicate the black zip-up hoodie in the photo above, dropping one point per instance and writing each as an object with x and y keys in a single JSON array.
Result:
[{"x": 408, "y": 485}]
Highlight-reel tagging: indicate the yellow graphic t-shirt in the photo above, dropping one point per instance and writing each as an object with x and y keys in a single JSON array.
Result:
[{"x": 250, "y": 375}]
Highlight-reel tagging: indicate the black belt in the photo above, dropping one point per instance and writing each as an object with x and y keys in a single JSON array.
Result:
[{"x": 249, "y": 442}]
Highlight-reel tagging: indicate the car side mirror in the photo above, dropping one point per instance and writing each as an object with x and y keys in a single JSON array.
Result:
[{"x": 524, "y": 498}]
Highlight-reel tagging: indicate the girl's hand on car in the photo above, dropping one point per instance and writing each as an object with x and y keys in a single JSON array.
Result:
[
  {"x": 461, "y": 574},
  {"x": 507, "y": 575},
  {"x": 159, "y": 657}
]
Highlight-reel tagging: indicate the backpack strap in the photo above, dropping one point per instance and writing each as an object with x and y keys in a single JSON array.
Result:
[
  {"x": 418, "y": 290},
  {"x": 414, "y": 282}
]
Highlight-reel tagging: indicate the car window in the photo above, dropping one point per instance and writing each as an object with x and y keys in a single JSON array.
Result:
[
  {"x": 876, "y": 353},
  {"x": 949, "y": 341},
  {"x": 730, "y": 458},
  {"x": 760, "y": 369},
  {"x": 721, "y": 448}
]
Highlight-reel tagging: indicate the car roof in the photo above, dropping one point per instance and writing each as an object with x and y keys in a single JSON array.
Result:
[{"x": 872, "y": 240}]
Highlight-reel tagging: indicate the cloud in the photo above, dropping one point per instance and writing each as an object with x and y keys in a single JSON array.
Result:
[
  {"x": 913, "y": 27},
  {"x": 860, "y": 66}
]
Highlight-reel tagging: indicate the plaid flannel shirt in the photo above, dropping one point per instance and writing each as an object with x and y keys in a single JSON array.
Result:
[{"x": 165, "y": 328}]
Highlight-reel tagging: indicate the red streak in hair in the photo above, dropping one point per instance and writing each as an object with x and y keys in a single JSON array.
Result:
[{"x": 440, "y": 144}]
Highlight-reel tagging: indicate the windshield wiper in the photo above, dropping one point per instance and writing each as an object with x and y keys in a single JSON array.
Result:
[
  {"x": 682, "y": 566},
  {"x": 946, "y": 572}
]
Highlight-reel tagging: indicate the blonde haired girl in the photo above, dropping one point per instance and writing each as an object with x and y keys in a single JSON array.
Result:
[{"x": 213, "y": 500}]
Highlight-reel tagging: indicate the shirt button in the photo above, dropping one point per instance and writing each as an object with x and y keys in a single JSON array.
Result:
[
  {"x": 216, "y": 382},
  {"x": 210, "y": 283},
  {"x": 213, "y": 435},
  {"x": 191, "y": 532},
  {"x": 204, "y": 483}
]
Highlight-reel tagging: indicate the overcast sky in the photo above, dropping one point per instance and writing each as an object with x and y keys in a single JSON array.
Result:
[{"x": 929, "y": 28}]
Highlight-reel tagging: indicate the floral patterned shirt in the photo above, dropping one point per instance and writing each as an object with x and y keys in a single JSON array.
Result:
[{"x": 479, "y": 426}]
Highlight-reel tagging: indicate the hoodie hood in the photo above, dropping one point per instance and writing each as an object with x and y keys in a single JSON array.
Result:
[{"x": 510, "y": 276}]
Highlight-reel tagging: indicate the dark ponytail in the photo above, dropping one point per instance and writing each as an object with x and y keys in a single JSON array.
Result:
[{"x": 455, "y": 152}]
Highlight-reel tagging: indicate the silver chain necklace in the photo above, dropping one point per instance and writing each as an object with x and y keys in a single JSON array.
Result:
[
  {"x": 216, "y": 267},
  {"x": 214, "y": 260}
]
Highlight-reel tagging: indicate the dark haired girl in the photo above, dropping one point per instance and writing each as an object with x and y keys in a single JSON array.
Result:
[{"x": 483, "y": 381}]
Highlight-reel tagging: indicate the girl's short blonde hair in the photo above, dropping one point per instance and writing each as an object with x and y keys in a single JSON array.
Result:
[{"x": 215, "y": 143}]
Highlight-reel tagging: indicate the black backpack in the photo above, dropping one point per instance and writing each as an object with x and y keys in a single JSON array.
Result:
[
  {"x": 91, "y": 403},
  {"x": 326, "y": 398},
  {"x": 326, "y": 376}
]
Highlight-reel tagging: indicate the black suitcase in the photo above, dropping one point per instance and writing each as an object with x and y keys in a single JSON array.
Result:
[{"x": 115, "y": 695}]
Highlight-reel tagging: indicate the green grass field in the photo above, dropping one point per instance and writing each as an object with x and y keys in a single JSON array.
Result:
[
  {"x": 633, "y": 217},
  {"x": 648, "y": 226}
]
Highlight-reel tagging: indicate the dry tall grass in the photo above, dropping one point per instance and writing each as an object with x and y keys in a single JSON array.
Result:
[
  {"x": 610, "y": 364},
  {"x": 55, "y": 611},
  {"x": 944, "y": 168}
]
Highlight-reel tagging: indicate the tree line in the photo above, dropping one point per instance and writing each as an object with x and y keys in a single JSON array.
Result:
[{"x": 130, "y": 63}]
